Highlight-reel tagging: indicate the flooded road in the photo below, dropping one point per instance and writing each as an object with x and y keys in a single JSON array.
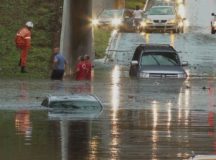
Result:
[
  {"x": 156, "y": 119},
  {"x": 141, "y": 119}
]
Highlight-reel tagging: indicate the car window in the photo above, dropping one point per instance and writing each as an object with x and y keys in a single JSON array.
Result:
[
  {"x": 72, "y": 105},
  {"x": 45, "y": 102},
  {"x": 159, "y": 59},
  {"x": 111, "y": 13},
  {"x": 161, "y": 11}
]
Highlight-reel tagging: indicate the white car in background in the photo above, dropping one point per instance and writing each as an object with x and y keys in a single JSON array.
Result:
[{"x": 162, "y": 18}]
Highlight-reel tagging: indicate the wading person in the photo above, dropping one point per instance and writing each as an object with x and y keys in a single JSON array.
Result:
[
  {"x": 89, "y": 66},
  {"x": 23, "y": 42},
  {"x": 137, "y": 16},
  {"x": 80, "y": 69},
  {"x": 59, "y": 65}
]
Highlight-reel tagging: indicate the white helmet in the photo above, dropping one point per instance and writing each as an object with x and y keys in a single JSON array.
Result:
[{"x": 29, "y": 24}]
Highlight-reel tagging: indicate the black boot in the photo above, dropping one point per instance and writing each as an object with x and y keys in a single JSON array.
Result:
[{"x": 23, "y": 70}]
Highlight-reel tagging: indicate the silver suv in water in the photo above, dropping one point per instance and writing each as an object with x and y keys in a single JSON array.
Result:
[{"x": 157, "y": 61}]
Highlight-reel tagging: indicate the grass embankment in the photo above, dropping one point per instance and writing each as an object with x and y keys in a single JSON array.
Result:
[
  {"x": 45, "y": 15},
  {"x": 132, "y": 3},
  {"x": 14, "y": 14}
]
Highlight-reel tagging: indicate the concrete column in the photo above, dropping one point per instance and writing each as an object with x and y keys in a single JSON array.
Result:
[{"x": 76, "y": 35}]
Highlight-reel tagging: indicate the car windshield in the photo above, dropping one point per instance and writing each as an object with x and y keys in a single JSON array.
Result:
[
  {"x": 161, "y": 11},
  {"x": 159, "y": 59},
  {"x": 111, "y": 13},
  {"x": 73, "y": 105}
]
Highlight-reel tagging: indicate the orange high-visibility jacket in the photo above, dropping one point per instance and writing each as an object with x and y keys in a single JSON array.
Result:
[{"x": 24, "y": 36}]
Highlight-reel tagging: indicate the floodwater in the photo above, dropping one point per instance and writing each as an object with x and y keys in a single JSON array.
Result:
[{"x": 156, "y": 119}]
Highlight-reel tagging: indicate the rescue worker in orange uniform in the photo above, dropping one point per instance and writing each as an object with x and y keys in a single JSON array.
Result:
[{"x": 23, "y": 41}]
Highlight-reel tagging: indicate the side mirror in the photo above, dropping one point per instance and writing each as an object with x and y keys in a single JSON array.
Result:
[
  {"x": 134, "y": 62},
  {"x": 184, "y": 63}
]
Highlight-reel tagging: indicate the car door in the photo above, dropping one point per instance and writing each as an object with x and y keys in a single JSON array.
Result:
[{"x": 134, "y": 66}]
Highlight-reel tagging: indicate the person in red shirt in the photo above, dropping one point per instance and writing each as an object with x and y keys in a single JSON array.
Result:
[
  {"x": 89, "y": 66},
  {"x": 23, "y": 42},
  {"x": 80, "y": 69}
]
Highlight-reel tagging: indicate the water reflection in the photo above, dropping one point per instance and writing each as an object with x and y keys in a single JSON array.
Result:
[
  {"x": 24, "y": 95},
  {"x": 148, "y": 38},
  {"x": 172, "y": 39},
  {"x": 115, "y": 106},
  {"x": 23, "y": 124},
  {"x": 163, "y": 121}
]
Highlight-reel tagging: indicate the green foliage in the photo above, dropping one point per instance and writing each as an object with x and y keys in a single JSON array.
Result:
[
  {"x": 14, "y": 14},
  {"x": 132, "y": 3},
  {"x": 101, "y": 39}
]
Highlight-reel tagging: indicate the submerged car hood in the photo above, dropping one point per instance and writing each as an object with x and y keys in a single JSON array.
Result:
[
  {"x": 161, "y": 17},
  {"x": 162, "y": 69}
]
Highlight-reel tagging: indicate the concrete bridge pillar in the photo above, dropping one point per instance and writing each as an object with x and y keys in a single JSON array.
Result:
[{"x": 76, "y": 34}]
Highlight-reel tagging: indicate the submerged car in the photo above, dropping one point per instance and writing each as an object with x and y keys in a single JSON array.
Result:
[
  {"x": 213, "y": 24},
  {"x": 114, "y": 18},
  {"x": 162, "y": 18},
  {"x": 76, "y": 105},
  {"x": 157, "y": 61}
]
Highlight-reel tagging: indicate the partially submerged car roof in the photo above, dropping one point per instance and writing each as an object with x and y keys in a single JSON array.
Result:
[
  {"x": 75, "y": 97},
  {"x": 157, "y": 48},
  {"x": 153, "y": 48}
]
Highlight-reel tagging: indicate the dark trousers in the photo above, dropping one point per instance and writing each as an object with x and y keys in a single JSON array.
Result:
[{"x": 57, "y": 74}]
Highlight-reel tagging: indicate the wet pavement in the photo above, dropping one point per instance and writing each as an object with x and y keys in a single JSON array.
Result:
[{"x": 155, "y": 119}]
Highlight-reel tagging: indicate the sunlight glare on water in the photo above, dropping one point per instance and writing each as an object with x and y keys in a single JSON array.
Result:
[{"x": 115, "y": 92}]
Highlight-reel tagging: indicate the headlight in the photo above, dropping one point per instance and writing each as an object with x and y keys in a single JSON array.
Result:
[
  {"x": 95, "y": 22},
  {"x": 148, "y": 21},
  {"x": 116, "y": 21},
  {"x": 144, "y": 75},
  {"x": 143, "y": 23},
  {"x": 171, "y": 21},
  {"x": 182, "y": 75}
]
